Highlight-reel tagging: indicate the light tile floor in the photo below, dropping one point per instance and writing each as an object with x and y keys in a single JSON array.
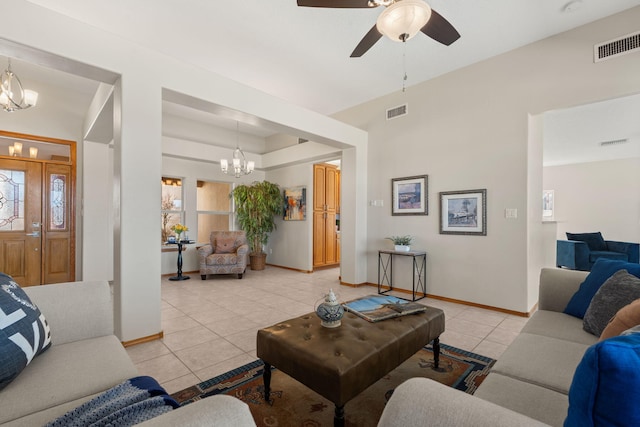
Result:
[{"x": 210, "y": 326}]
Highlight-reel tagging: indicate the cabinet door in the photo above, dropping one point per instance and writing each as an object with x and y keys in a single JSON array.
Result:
[
  {"x": 330, "y": 188},
  {"x": 330, "y": 238},
  {"x": 318, "y": 187},
  {"x": 319, "y": 227}
]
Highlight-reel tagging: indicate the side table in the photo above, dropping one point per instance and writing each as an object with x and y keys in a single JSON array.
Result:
[
  {"x": 385, "y": 271},
  {"x": 180, "y": 276}
]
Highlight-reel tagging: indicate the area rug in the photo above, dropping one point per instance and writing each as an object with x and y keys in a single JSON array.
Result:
[{"x": 293, "y": 404}]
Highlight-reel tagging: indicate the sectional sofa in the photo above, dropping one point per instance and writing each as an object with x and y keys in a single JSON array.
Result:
[
  {"x": 530, "y": 383},
  {"x": 85, "y": 359}
]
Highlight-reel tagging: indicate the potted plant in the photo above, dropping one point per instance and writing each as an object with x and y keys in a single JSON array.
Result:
[
  {"x": 402, "y": 243},
  {"x": 256, "y": 207}
]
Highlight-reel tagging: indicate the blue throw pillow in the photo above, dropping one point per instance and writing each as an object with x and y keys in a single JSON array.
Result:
[
  {"x": 605, "y": 390},
  {"x": 595, "y": 241},
  {"x": 602, "y": 269},
  {"x": 24, "y": 332}
]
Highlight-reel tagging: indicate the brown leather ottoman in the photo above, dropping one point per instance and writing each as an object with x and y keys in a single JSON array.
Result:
[{"x": 342, "y": 362}]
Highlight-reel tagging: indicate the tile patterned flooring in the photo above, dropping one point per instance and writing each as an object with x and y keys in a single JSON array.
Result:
[{"x": 210, "y": 326}]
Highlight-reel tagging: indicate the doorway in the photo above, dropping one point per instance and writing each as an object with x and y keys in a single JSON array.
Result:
[{"x": 37, "y": 200}]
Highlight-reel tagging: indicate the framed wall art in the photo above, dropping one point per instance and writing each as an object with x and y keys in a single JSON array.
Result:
[
  {"x": 410, "y": 195},
  {"x": 463, "y": 212},
  {"x": 547, "y": 205},
  {"x": 295, "y": 204}
]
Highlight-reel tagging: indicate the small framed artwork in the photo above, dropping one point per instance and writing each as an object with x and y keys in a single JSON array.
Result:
[
  {"x": 410, "y": 195},
  {"x": 463, "y": 212},
  {"x": 295, "y": 204},
  {"x": 547, "y": 205}
]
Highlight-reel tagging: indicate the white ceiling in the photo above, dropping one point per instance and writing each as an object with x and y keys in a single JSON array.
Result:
[{"x": 302, "y": 54}]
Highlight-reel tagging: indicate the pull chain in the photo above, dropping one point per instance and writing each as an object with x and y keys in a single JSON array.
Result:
[{"x": 404, "y": 65}]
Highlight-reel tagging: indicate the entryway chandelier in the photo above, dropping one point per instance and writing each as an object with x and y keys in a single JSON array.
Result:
[
  {"x": 239, "y": 163},
  {"x": 13, "y": 96}
]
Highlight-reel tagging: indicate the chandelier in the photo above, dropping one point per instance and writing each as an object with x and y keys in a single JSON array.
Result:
[
  {"x": 239, "y": 164},
  {"x": 13, "y": 96}
]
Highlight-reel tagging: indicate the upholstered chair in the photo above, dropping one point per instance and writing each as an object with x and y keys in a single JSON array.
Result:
[
  {"x": 225, "y": 254},
  {"x": 582, "y": 250}
]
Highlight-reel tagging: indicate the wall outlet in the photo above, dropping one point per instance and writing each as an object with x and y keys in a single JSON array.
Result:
[
  {"x": 270, "y": 251},
  {"x": 511, "y": 213}
]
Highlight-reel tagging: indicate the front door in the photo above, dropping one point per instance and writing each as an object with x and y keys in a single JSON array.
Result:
[
  {"x": 36, "y": 222},
  {"x": 21, "y": 220}
]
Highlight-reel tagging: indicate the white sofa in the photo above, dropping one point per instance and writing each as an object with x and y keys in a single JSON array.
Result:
[
  {"x": 85, "y": 359},
  {"x": 528, "y": 385}
]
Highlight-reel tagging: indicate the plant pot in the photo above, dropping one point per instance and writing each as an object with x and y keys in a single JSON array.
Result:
[
  {"x": 402, "y": 248},
  {"x": 257, "y": 261}
]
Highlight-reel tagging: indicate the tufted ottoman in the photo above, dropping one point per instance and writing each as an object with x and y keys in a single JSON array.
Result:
[{"x": 342, "y": 362}]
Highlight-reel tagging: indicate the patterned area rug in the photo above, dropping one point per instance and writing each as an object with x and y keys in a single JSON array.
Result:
[{"x": 296, "y": 405}]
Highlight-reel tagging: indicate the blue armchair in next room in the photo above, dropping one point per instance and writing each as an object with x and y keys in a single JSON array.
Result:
[{"x": 582, "y": 250}]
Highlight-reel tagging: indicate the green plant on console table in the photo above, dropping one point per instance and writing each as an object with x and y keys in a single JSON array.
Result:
[{"x": 401, "y": 240}]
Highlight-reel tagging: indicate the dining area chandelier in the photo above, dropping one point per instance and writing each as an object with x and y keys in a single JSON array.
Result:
[
  {"x": 13, "y": 96},
  {"x": 239, "y": 166}
]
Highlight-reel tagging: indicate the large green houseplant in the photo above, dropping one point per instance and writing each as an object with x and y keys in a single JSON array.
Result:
[{"x": 256, "y": 207}]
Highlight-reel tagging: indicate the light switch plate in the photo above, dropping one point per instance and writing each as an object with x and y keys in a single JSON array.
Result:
[{"x": 511, "y": 213}]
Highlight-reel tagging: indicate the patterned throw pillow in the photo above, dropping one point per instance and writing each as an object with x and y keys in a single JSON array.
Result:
[
  {"x": 225, "y": 245},
  {"x": 24, "y": 332}
]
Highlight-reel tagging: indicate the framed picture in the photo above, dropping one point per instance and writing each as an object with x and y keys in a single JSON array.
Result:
[
  {"x": 295, "y": 204},
  {"x": 547, "y": 205},
  {"x": 410, "y": 195},
  {"x": 463, "y": 212}
]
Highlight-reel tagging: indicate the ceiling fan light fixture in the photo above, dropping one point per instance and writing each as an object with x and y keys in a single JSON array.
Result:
[{"x": 403, "y": 19}]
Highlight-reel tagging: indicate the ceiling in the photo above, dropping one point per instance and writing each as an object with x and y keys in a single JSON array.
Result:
[{"x": 302, "y": 54}]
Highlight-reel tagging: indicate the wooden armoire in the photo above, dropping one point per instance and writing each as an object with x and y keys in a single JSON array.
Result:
[{"x": 326, "y": 210}]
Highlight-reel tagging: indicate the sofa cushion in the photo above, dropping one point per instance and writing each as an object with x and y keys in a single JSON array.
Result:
[
  {"x": 600, "y": 272},
  {"x": 550, "y": 406},
  {"x": 606, "y": 385},
  {"x": 66, "y": 372},
  {"x": 225, "y": 245},
  {"x": 595, "y": 255},
  {"x": 618, "y": 291},
  {"x": 24, "y": 331},
  {"x": 595, "y": 241},
  {"x": 558, "y": 325},
  {"x": 544, "y": 361},
  {"x": 627, "y": 317}
]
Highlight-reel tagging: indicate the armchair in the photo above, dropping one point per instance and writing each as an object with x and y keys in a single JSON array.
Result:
[
  {"x": 581, "y": 251},
  {"x": 225, "y": 254}
]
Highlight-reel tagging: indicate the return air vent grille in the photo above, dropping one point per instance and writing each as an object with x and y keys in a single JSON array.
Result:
[
  {"x": 620, "y": 46},
  {"x": 613, "y": 142},
  {"x": 302, "y": 140},
  {"x": 395, "y": 112}
]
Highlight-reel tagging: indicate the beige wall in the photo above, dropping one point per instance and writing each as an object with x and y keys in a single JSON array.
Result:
[
  {"x": 597, "y": 196},
  {"x": 469, "y": 129}
]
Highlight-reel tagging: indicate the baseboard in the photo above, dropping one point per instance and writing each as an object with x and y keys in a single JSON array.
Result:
[
  {"x": 149, "y": 338},
  {"x": 456, "y": 301}
]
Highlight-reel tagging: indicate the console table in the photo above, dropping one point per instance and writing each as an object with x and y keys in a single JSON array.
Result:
[{"x": 385, "y": 271}]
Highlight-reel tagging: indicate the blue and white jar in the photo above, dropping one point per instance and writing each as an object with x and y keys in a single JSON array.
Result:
[{"x": 330, "y": 311}]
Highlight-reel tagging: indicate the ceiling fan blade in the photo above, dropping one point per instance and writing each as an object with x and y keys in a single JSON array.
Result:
[
  {"x": 367, "y": 41},
  {"x": 440, "y": 29},
  {"x": 335, "y": 3}
]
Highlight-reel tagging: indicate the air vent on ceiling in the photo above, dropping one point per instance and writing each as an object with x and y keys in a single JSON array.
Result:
[
  {"x": 620, "y": 46},
  {"x": 302, "y": 140},
  {"x": 395, "y": 112},
  {"x": 614, "y": 142}
]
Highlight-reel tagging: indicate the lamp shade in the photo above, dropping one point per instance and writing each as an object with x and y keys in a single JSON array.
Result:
[{"x": 404, "y": 19}]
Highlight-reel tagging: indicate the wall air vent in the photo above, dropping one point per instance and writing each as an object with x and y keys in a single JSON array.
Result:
[
  {"x": 302, "y": 140},
  {"x": 620, "y": 46},
  {"x": 399, "y": 111},
  {"x": 614, "y": 142}
]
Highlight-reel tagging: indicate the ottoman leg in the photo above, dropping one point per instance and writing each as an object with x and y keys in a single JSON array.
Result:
[
  {"x": 266, "y": 376},
  {"x": 338, "y": 418},
  {"x": 436, "y": 352}
]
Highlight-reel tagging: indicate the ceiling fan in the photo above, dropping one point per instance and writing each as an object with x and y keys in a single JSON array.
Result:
[{"x": 400, "y": 21}]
